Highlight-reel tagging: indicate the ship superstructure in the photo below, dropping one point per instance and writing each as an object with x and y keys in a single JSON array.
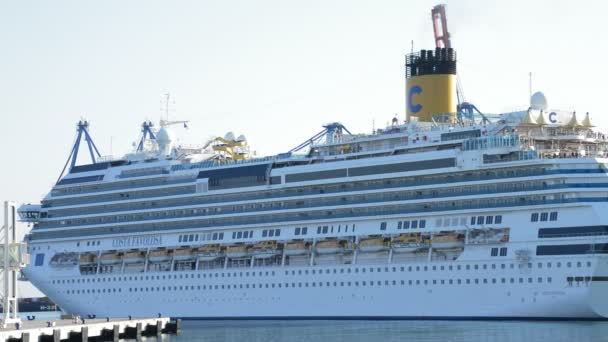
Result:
[{"x": 448, "y": 215}]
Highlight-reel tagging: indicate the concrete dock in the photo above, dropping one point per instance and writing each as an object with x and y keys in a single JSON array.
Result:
[{"x": 89, "y": 329}]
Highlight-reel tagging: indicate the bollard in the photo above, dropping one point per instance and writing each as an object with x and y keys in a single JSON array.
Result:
[
  {"x": 159, "y": 328},
  {"x": 116, "y": 335},
  {"x": 26, "y": 337},
  {"x": 56, "y": 335},
  {"x": 84, "y": 334},
  {"x": 138, "y": 332},
  {"x": 178, "y": 327}
]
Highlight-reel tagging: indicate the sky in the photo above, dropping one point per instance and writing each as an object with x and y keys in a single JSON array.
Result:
[{"x": 273, "y": 70}]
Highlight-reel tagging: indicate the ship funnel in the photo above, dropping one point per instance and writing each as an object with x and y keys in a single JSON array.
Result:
[{"x": 431, "y": 85}]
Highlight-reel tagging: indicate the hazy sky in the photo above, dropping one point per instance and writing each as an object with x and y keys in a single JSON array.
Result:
[{"x": 272, "y": 70}]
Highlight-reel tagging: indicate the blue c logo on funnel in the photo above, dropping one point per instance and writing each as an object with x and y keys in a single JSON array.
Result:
[{"x": 414, "y": 108}]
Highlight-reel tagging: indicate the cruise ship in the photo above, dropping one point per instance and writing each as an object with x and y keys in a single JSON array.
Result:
[{"x": 449, "y": 214}]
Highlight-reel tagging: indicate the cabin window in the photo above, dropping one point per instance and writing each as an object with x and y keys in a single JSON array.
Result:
[
  {"x": 534, "y": 217},
  {"x": 422, "y": 223},
  {"x": 271, "y": 232},
  {"x": 399, "y": 225},
  {"x": 544, "y": 216},
  {"x": 553, "y": 216},
  {"x": 264, "y": 233},
  {"x": 304, "y": 230},
  {"x": 498, "y": 219},
  {"x": 239, "y": 235},
  {"x": 277, "y": 232},
  {"x": 489, "y": 219},
  {"x": 472, "y": 220},
  {"x": 479, "y": 219},
  {"x": 39, "y": 259},
  {"x": 383, "y": 226},
  {"x": 414, "y": 224},
  {"x": 325, "y": 229},
  {"x": 406, "y": 224},
  {"x": 503, "y": 251},
  {"x": 494, "y": 252},
  {"x": 297, "y": 232}
]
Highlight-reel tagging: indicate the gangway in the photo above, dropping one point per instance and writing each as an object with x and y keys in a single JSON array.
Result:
[{"x": 13, "y": 257}]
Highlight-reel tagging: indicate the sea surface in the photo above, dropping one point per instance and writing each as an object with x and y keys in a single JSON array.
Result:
[
  {"x": 385, "y": 331},
  {"x": 351, "y": 331}
]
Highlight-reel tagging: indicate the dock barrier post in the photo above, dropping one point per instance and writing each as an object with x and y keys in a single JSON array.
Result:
[
  {"x": 159, "y": 329},
  {"x": 138, "y": 332},
  {"x": 116, "y": 333},
  {"x": 56, "y": 335}
]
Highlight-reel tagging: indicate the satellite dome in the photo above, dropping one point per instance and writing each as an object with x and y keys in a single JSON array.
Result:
[
  {"x": 229, "y": 136},
  {"x": 164, "y": 138},
  {"x": 538, "y": 101},
  {"x": 241, "y": 138}
]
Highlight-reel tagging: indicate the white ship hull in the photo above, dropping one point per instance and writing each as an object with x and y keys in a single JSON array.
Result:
[
  {"x": 383, "y": 299},
  {"x": 538, "y": 231}
]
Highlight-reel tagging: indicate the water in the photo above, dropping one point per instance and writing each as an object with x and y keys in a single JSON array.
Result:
[
  {"x": 385, "y": 331},
  {"x": 352, "y": 331}
]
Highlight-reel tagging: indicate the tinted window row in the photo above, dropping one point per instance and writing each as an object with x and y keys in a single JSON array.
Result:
[
  {"x": 242, "y": 234},
  {"x": 543, "y": 217},
  {"x": 271, "y": 232},
  {"x": 458, "y": 281},
  {"x": 490, "y": 219},
  {"x": 201, "y": 237}
]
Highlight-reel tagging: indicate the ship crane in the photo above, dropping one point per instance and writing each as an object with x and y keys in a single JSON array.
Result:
[
  {"x": 465, "y": 110},
  {"x": 83, "y": 132}
]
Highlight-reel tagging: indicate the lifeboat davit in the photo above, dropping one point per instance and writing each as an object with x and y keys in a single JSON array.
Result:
[
  {"x": 449, "y": 240},
  {"x": 295, "y": 248},
  {"x": 329, "y": 247},
  {"x": 159, "y": 255},
  {"x": 208, "y": 252},
  {"x": 237, "y": 251},
  {"x": 407, "y": 243},
  {"x": 372, "y": 245},
  {"x": 87, "y": 259},
  {"x": 264, "y": 250},
  {"x": 110, "y": 258},
  {"x": 133, "y": 257},
  {"x": 183, "y": 254}
]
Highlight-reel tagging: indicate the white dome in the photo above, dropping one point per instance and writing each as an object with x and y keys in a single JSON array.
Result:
[
  {"x": 229, "y": 136},
  {"x": 538, "y": 101},
  {"x": 164, "y": 138},
  {"x": 241, "y": 138}
]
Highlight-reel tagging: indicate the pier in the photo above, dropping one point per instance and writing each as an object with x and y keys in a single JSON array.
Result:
[{"x": 82, "y": 330}]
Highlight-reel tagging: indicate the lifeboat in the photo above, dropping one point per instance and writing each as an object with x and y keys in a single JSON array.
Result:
[
  {"x": 64, "y": 259},
  {"x": 183, "y": 254},
  {"x": 133, "y": 257},
  {"x": 449, "y": 240},
  {"x": 208, "y": 252},
  {"x": 329, "y": 247},
  {"x": 110, "y": 258},
  {"x": 407, "y": 243},
  {"x": 479, "y": 236},
  {"x": 264, "y": 249},
  {"x": 159, "y": 255},
  {"x": 295, "y": 248},
  {"x": 375, "y": 244},
  {"x": 87, "y": 258},
  {"x": 236, "y": 251}
]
